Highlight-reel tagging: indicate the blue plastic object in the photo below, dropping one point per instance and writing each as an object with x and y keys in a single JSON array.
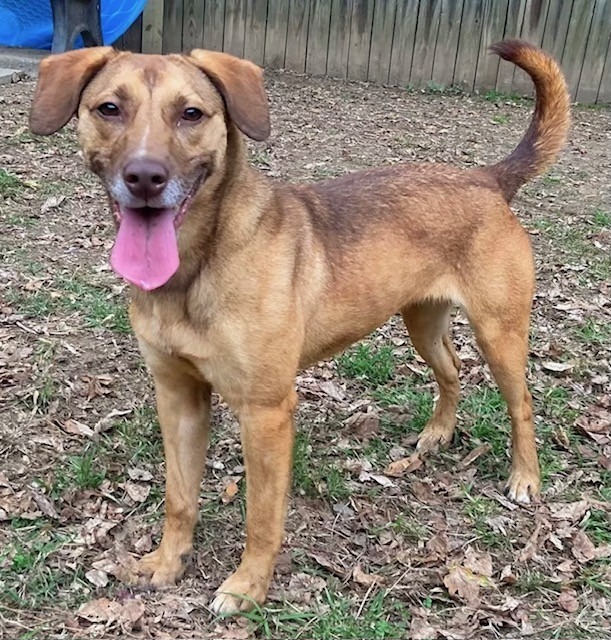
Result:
[{"x": 29, "y": 23}]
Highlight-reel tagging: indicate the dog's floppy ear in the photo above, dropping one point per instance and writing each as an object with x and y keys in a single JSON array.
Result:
[
  {"x": 240, "y": 82},
  {"x": 61, "y": 80}
]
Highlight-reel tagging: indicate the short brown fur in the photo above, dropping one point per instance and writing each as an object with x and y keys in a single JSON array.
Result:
[{"x": 274, "y": 277}]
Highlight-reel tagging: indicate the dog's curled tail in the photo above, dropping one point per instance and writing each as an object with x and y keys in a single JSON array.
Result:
[{"x": 547, "y": 132}]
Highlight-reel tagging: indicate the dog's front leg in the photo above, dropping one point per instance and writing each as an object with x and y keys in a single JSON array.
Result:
[
  {"x": 267, "y": 441},
  {"x": 183, "y": 406}
]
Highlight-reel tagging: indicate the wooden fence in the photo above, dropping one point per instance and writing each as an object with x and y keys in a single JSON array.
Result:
[{"x": 419, "y": 43}]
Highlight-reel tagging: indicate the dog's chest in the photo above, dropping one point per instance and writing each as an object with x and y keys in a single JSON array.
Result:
[{"x": 214, "y": 350}]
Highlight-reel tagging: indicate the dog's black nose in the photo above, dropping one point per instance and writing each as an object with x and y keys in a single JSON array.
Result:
[{"x": 145, "y": 178}]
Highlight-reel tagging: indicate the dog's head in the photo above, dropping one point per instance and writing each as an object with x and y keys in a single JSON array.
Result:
[{"x": 154, "y": 128}]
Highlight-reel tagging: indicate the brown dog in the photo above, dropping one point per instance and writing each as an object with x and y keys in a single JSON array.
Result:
[{"x": 241, "y": 281}]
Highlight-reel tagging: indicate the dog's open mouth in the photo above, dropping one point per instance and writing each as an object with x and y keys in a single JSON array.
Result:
[{"x": 145, "y": 252}]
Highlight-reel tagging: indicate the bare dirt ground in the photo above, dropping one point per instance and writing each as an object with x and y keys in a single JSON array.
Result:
[{"x": 433, "y": 551}]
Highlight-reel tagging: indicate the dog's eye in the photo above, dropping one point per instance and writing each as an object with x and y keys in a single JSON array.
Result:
[
  {"x": 192, "y": 114},
  {"x": 108, "y": 110}
]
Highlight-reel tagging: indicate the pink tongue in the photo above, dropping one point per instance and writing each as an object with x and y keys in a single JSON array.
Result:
[{"x": 146, "y": 249}]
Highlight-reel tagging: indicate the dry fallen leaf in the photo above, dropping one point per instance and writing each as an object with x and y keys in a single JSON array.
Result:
[
  {"x": 97, "y": 577},
  {"x": 303, "y": 587},
  {"x": 51, "y": 202},
  {"x": 366, "y": 579},
  {"x": 596, "y": 424},
  {"x": 465, "y": 584},
  {"x": 568, "y": 601},
  {"x": 333, "y": 390},
  {"x": 437, "y": 547},
  {"x": 479, "y": 563},
  {"x": 420, "y": 629},
  {"x": 583, "y": 548},
  {"x": 137, "y": 492},
  {"x": 572, "y": 511},
  {"x": 230, "y": 492},
  {"x": 536, "y": 540},
  {"x": 100, "y": 610},
  {"x": 364, "y": 425},
  {"x": 507, "y": 575},
  {"x": 406, "y": 465},
  {"x": 473, "y": 455},
  {"x": 139, "y": 474},
  {"x": 557, "y": 367},
  {"x": 77, "y": 428},
  {"x": 229, "y": 631}
]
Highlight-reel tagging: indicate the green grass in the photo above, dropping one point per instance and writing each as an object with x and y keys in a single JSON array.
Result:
[
  {"x": 550, "y": 179},
  {"x": 410, "y": 528},
  {"x": 379, "y": 618},
  {"x": 10, "y": 185},
  {"x": 324, "y": 172},
  {"x": 478, "y": 509},
  {"x": 440, "y": 89},
  {"x": 534, "y": 581},
  {"x": 597, "y": 577},
  {"x": 498, "y": 96},
  {"x": 605, "y": 485},
  {"x": 598, "y": 527},
  {"x": 261, "y": 158},
  {"x": 594, "y": 332},
  {"x": 316, "y": 478},
  {"x": 601, "y": 218},
  {"x": 136, "y": 439},
  {"x": 84, "y": 471},
  {"x": 28, "y": 568},
  {"x": 99, "y": 307},
  {"x": 373, "y": 365},
  {"x": 486, "y": 419},
  {"x": 577, "y": 247},
  {"x": 500, "y": 119}
]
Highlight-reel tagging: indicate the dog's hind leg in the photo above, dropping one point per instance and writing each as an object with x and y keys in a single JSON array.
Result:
[
  {"x": 428, "y": 327},
  {"x": 502, "y": 335},
  {"x": 183, "y": 405}
]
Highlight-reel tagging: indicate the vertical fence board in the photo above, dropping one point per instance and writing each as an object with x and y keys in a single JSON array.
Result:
[
  {"x": 447, "y": 42},
  {"x": 131, "y": 40},
  {"x": 254, "y": 38},
  {"x": 533, "y": 30},
  {"x": 172, "y": 26},
  {"x": 576, "y": 40},
  {"x": 152, "y": 27},
  {"x": 297, "y": 35},
  {"x": 557, "y": 26},
  {"x": 318, "y": 36},
  {"x": 235, "y": 27},
  {"x": 495, "y": 17},
  {"x": 403, "y": 42},
  {"x": 396, "y": 41},
  {"x": 193, "y": 24},
  {"x": 339, "y": 38},
  {"x": 214, "y": 24},
  {"x": 384, "y": 13},
  {"x": 426, "y": 38},
  {"x": 361, "y": 24},
  {"x": 468, "y": 44},
  {"x": 604, "y": 90},
  {"x": 275, "y": 35},
  {"x": 513, "y": 26},
  {"x": 595, "y": 53}
]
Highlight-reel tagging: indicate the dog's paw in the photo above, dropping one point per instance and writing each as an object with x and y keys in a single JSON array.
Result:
[
  {"x": 523, "y": 487},
  {"x": 434, "y": 438},
  {"x": 161, "y": 570},
  {"x": 242, "y": 591}
]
